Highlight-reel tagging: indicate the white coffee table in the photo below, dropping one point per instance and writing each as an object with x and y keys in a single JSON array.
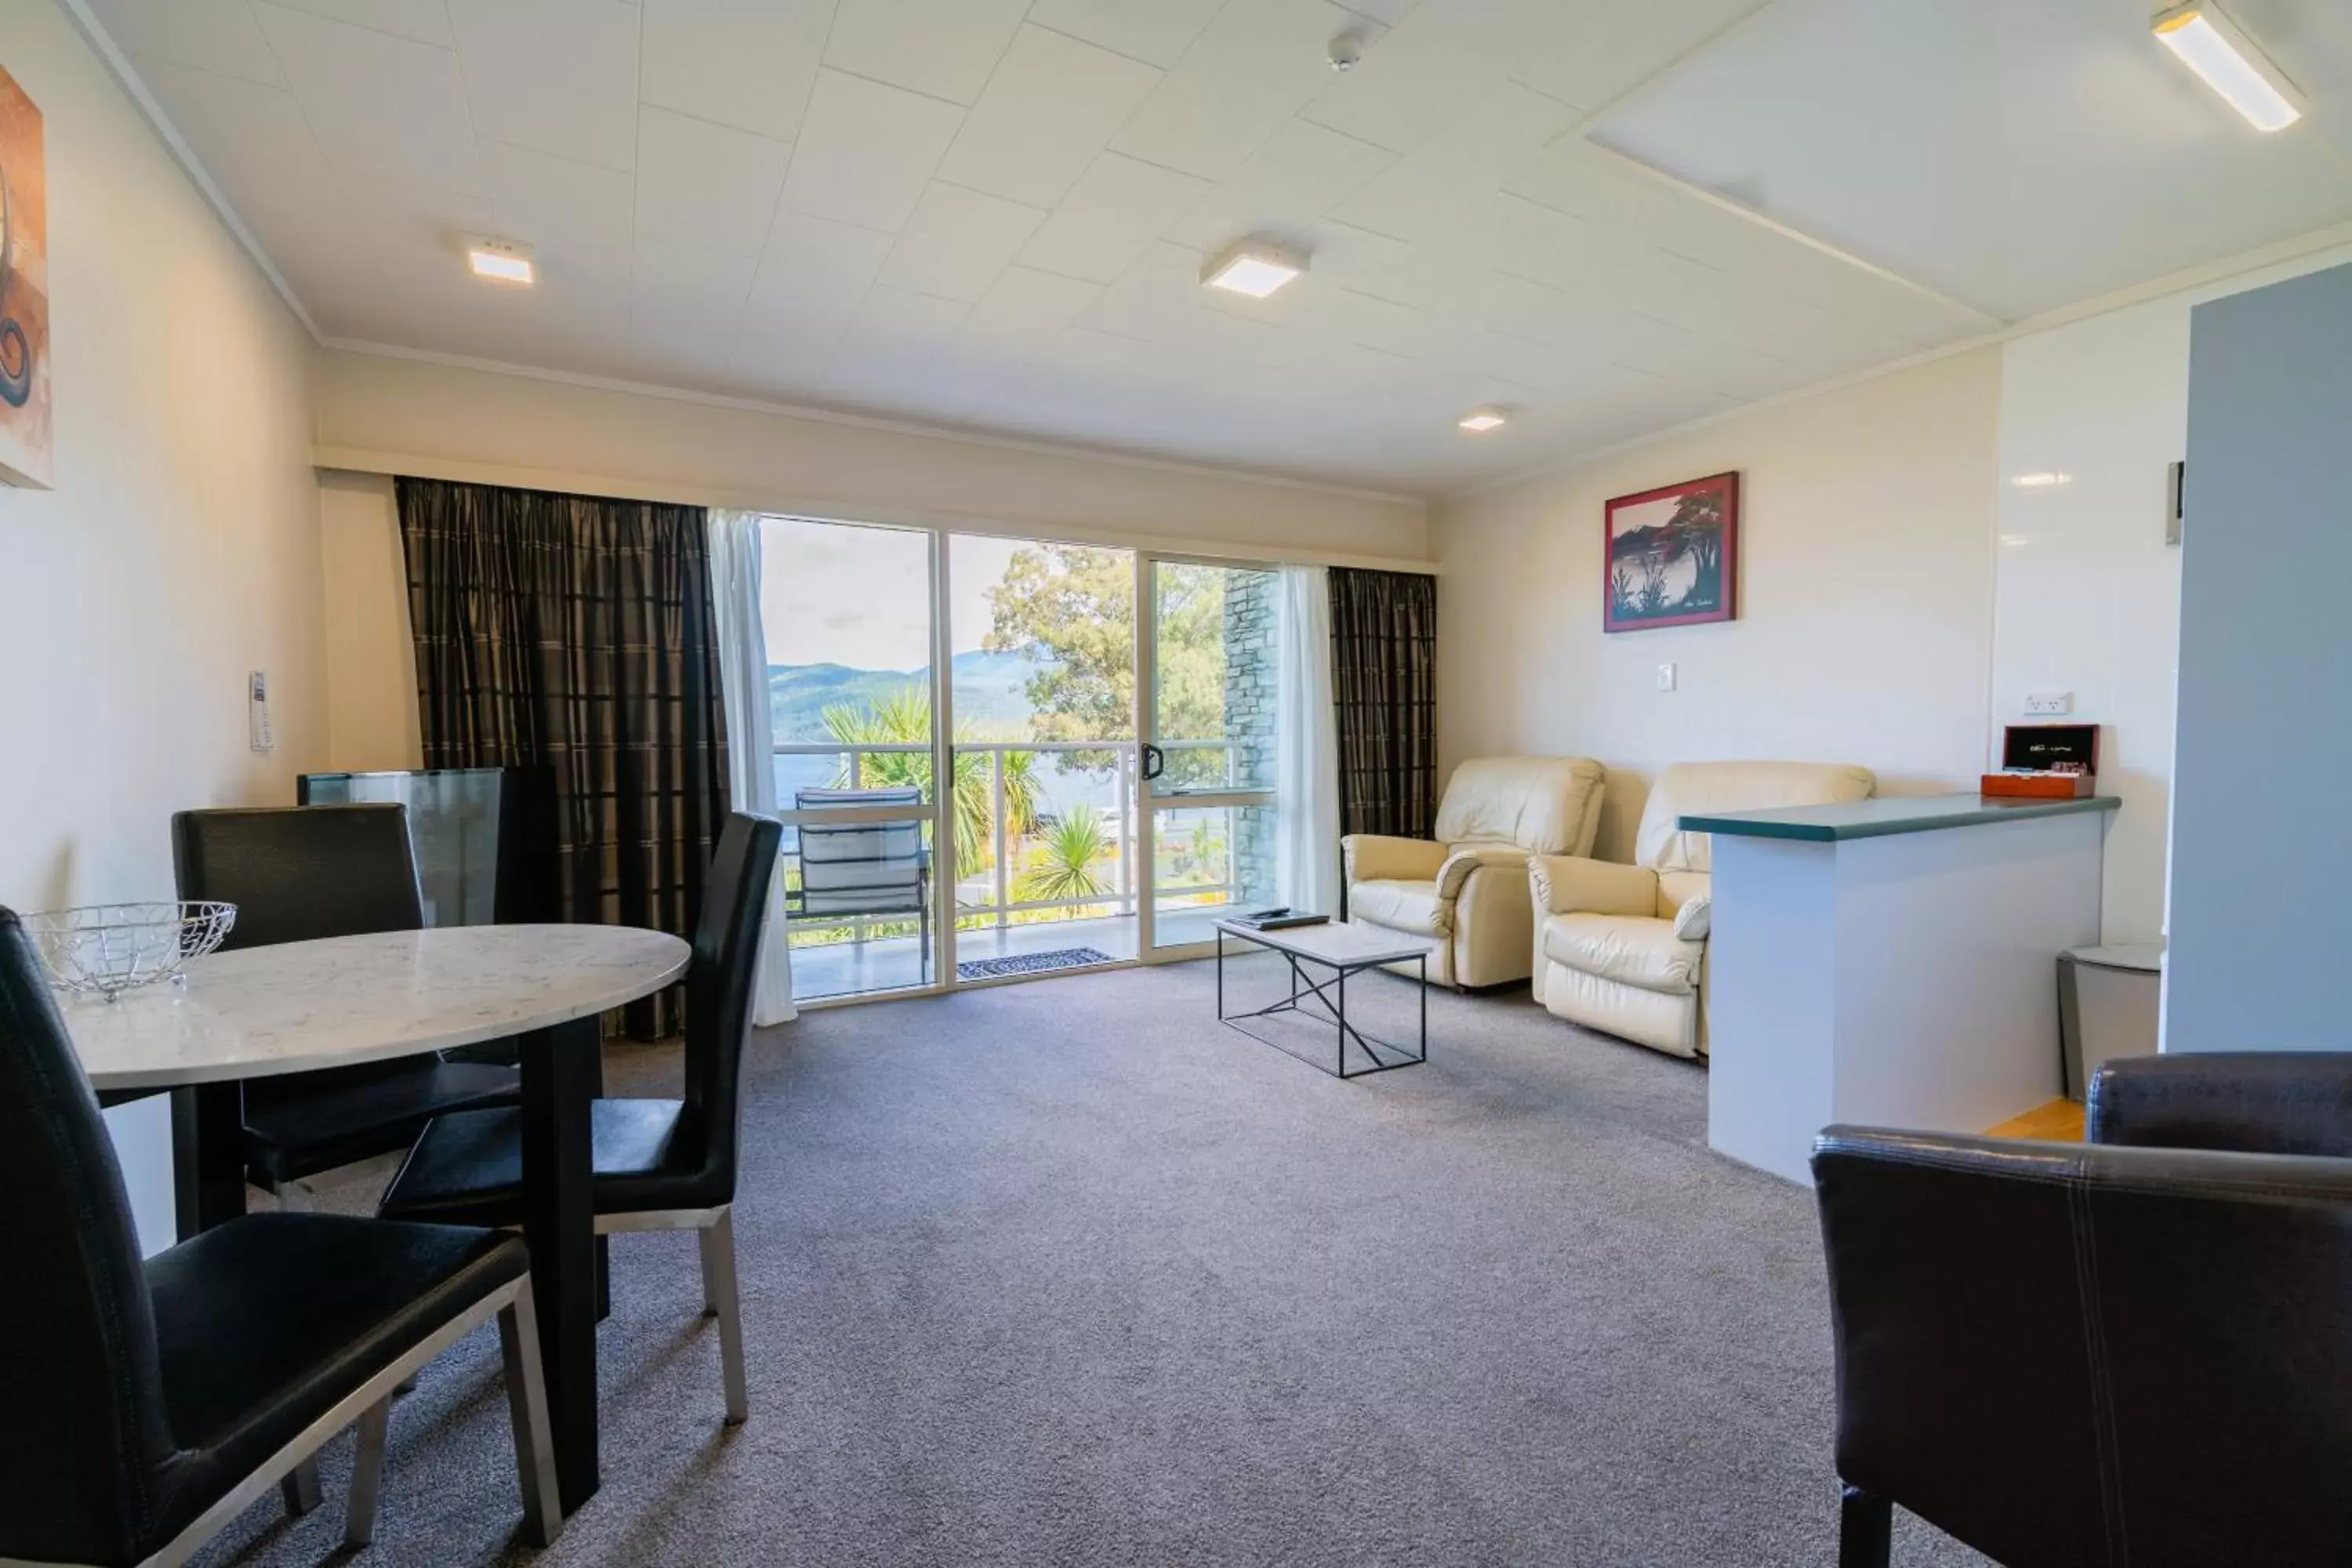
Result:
[{"x": 1344, "y": 949}]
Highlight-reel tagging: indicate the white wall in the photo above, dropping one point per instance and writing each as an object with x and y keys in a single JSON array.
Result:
[
  {"x": 180, "y": 547},
  {"x": 2087, "y": 594},
  {"x": 371, "y": 656},
  {"x": 1865, "y": 598}
]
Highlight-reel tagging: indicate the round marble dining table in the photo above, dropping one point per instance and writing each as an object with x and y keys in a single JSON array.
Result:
[{"x": 299, "y": 1006}]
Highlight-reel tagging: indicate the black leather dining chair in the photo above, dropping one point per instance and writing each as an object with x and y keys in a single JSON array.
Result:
[
  {"x": 2093, "y": 1354},
  {"x": 297, "y": 874},
  {"x": 143, "y": 1407},
  {"x": 659, "y": 1165}
]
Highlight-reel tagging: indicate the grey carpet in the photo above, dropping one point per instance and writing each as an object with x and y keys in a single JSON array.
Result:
[{"x": 1065, "y": 1274}]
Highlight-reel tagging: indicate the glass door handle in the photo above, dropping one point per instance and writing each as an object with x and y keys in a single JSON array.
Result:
[{"x": 1155, "y": 760}]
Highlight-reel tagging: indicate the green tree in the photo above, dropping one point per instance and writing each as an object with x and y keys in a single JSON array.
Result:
[
  {"x": 1062, "y": 866},
  {"x": 904, "y": 717},
  {"x": 1072, "y": 608}
]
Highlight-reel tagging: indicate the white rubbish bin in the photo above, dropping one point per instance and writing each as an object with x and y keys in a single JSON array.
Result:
[{"x": 2108, "y": 1002}]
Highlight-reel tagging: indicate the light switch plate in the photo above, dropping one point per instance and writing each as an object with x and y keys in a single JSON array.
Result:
[{"x": 1666, "y": 677}]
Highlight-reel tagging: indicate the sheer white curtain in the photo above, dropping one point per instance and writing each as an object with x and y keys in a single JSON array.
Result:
[
  {"x": 750, "y": 730},
  {"x": 1307, "y": 746}
]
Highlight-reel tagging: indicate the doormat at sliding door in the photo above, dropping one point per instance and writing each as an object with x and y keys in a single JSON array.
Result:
[{"x": 1032, "y": 962}]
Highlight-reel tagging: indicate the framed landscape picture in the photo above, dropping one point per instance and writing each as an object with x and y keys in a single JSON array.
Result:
[
  {"x": 1672, "y": 555},
  {"x": 24, "y": 292}
]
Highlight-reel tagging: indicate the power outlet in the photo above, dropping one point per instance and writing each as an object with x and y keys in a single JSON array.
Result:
[{"x": 2049, "y": 703}]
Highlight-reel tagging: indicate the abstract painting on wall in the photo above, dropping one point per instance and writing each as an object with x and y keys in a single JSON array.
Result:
[
  {"x": 1673, "y": 555},
  {"x": 24, "y": 433}
]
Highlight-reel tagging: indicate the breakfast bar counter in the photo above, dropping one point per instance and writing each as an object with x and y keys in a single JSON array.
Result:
[{"x": 1890, "y": 961}]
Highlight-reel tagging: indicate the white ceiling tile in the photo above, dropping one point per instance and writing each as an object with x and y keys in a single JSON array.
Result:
[
  {"x": 576, "y": 214},
  {"x": 437, "y": 219},
  {"x": 893, "y": 337},
  {"x": 1156, "y": 31},
  {"x": 378, "y": 104},
  {"x": 1439, "y": 61},
  {"x": 1116, "y": 210},
  {"x": 943, "y": 48},
  {"x": 1024, "y": 301},
  {"x": 783, "y": 352},
  {"x": 814, "y": 265},
  {"x": 254, "y": 139},
  {"x": 423, "y": 21},
  {"x": 1588, "y": 52},
  {"x": 685, "y": 302},
  {"x": 705, "y": 184},
  {"x": 1155, "y": 298},
  {"x": 559, "y": 75},
  {"x": 866, "y": 151},
  {"x": 210, "y": 35},
  {"x": 1257, "y": 64},
  {"x": 1301, "y": 172},
  {"x": 1338, "y": 315},
  {"x": 957, "y": 241},
  {"x": 745, "y": 63},
  {"x": 1437, "y": 188},
  {"x": 1049, "y": 108}
]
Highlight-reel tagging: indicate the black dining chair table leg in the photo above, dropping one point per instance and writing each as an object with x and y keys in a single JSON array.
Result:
[
  {"x": 1865, "y": 1529},
  {"x": 208, "y": 1155},
  {"x": 560, "y": 1075}
]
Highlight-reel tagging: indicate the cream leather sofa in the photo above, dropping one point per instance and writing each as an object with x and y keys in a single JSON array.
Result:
[
  {"x": 1468, "y": 890},
  {"x": 1623, "y": 948}
]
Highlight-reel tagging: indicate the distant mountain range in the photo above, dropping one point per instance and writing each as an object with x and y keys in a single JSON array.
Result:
[{"x": 990, "y": 692}]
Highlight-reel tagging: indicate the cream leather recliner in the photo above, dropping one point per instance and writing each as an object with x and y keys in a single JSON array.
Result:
[
  {"x": 1623, "y": 948},
  {"x": 1466, "y": 892}
]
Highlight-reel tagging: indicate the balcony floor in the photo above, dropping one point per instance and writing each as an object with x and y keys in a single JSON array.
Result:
[{"x": 895, "y": 964}]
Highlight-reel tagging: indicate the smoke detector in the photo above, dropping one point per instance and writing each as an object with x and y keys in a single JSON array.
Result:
[{"x": 1346, "y": 50}]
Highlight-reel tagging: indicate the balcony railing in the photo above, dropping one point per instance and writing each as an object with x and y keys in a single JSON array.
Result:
[{"x": 984, "y": 895}]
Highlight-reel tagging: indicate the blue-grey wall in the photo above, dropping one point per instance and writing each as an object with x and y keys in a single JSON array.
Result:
[{"x": 2261, "y": 838}]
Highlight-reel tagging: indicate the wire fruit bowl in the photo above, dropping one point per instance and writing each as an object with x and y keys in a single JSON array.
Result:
[{"x": 104, "y": 949}]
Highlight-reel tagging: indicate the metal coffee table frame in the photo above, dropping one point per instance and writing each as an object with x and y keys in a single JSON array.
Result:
[{"x": 1326, "y": 1000}]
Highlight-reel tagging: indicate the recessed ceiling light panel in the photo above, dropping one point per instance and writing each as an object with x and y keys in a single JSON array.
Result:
[
  {"x": 1253, "y": 268},
  {"x": 2232, "y": 64},
  {"x": 1484, "y": 418},
  {"x": 501, "y": 260}
]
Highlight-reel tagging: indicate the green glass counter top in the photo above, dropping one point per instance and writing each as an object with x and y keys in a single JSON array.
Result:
[{"x": 1880, "y": 816}]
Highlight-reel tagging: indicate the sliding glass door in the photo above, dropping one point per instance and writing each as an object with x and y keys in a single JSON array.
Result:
[
  {"x": 1002, "y": 757},
  {"x": 848, "y": 611},
  {"x": 1041, "y": 691},
  {"x": 1210, "y": 713}
]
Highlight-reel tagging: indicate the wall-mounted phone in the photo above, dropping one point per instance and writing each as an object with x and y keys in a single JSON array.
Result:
[{"x": 258, "y": 734}]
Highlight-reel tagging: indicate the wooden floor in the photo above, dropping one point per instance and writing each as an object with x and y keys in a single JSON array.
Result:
[{"x": 2060, "y": 1121}]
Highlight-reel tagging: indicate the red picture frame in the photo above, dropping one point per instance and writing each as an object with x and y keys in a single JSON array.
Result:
[{"x": 1670, "y": 557}]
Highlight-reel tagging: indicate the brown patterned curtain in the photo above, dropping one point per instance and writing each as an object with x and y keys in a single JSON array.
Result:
[
  {"x": 577, "y": 633},
  {"x": 1385, "y": 680}
]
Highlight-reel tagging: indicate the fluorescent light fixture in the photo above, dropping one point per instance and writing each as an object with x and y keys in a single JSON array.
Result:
[
  {"x": 1484, "y": 418},
  {"x": 2042, "y": 481},
  {"x": 502, "y": 260},
  {"x": 1253, "y": 268},
  {"x": 2232, "y": 63}
]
